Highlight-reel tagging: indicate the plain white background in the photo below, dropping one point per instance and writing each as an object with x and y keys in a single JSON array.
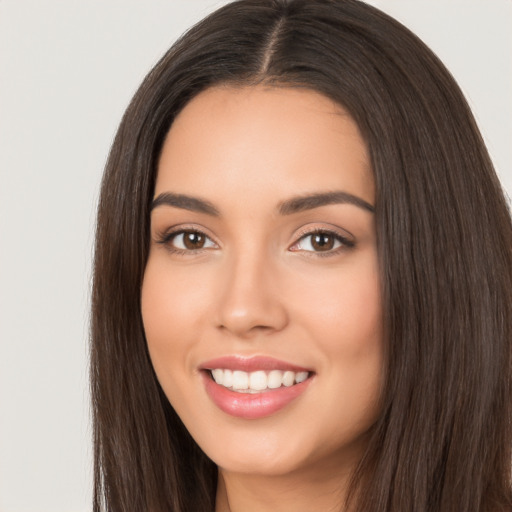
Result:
[{"x": 67, "y": 71}]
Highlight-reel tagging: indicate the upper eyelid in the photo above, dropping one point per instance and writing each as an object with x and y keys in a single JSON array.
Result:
[
  {"x": 166, "y": 238},
  {"x": 184, "y": 228},
  {"x": 303, "y": 232},
  {"x": 342, "y": 239},
  {"x": 335, "y": 230}
]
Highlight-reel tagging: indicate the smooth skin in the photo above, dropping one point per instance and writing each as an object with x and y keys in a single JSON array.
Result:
[{"x": 236, "y": 273}]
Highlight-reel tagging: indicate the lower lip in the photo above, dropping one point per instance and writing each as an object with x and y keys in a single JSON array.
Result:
[{"x": 252, "y": 406}]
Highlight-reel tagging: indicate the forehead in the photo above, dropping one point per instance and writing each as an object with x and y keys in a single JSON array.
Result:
[{"x": 275, "y": 141}]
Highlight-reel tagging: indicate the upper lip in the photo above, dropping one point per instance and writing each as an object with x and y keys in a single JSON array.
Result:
[{"x": 250, "y": 364}]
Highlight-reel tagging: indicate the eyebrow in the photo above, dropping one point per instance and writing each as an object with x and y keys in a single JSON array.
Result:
[
  {"x": 310, "y": 201},
  {"x": 288, "y": 207},
  {"x": 185, "y": 202}
]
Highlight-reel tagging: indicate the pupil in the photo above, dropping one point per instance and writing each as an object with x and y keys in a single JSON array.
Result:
[
  {"x": 193, "y": 240},
  {"x": 323, "y": 242}
]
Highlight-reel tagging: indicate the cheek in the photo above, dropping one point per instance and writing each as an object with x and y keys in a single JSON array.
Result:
[
  {"x": 343, "y": 315},
  {"x": 355, "y": 320},
  {"x": 170, "y": 302},
  {"x": 355, "y": 315},
  {"x": 342, "y": 309}
]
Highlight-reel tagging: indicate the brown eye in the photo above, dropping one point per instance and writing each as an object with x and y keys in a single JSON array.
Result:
[
  {"x": 193, "y": 240},
  {"x": 189, "y": 241},
  {"x": 322, "y": 241}
]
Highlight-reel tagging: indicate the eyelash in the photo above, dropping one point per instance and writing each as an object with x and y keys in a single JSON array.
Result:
[
  {"x": 345, "y": 243},
  {"x": 167, "y": 238}
]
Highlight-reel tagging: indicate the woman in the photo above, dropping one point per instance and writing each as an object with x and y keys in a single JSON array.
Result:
[{"x": 301, "y": 293}]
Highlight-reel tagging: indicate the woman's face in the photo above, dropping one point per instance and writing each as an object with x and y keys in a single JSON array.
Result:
[{"x": 263, "y": 273}]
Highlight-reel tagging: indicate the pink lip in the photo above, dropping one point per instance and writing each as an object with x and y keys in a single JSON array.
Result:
[
  {"x": 245, "y": 405},
  {"x": 250, "y": 364}
]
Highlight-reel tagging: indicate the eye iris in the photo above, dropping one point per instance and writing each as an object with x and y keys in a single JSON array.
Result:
[
  {"x": 193, "y": 240},
  {"x": 322, "y": 242}
]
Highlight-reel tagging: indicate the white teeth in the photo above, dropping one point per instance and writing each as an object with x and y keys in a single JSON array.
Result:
[
  {"x": 275, "y": 379},
  {"x": 260, "y": 380},
  {"x": 240, "y": 380},
  {"x": 301, "y": 377},
  {"x": 217, "y": 375},
  {"x": 228, "y": 379},
  {"x": 288, "y": 379}
]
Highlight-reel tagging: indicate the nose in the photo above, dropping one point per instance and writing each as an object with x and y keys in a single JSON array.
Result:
[{"x": 250, "y": 302}]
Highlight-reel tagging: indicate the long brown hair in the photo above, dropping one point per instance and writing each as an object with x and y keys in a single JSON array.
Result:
[{"x": 443, "y": 441}]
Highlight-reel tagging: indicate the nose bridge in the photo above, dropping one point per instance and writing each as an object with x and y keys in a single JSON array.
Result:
[{"x": 249, "y": 302}]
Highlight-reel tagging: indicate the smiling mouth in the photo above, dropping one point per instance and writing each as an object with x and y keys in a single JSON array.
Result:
[
  {"x": 254, "y": 387},
  {"x": 259, "y": 381}
]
